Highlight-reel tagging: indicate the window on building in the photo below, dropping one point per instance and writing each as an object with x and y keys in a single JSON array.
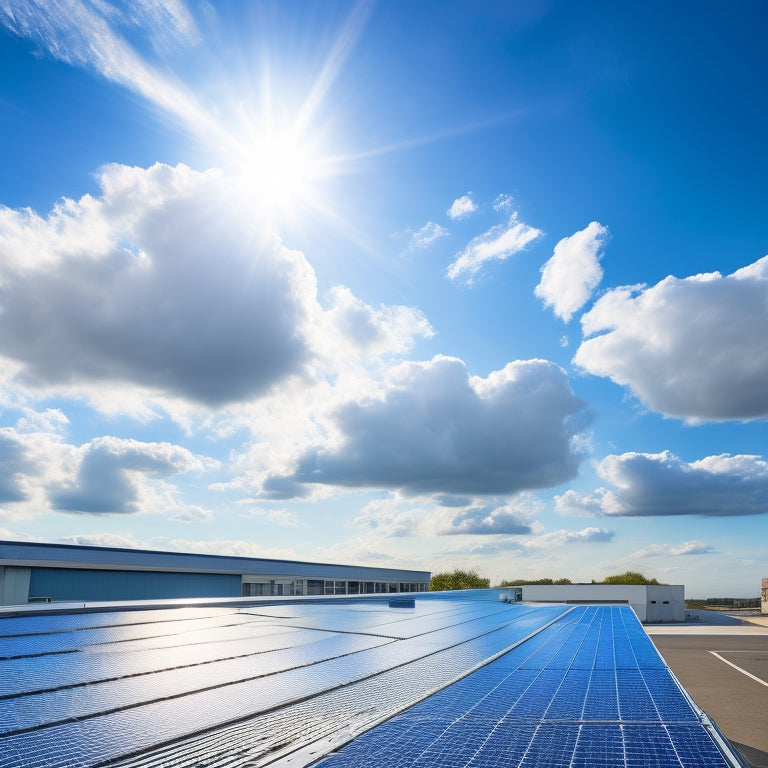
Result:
[{"x": 251, "y": 589}]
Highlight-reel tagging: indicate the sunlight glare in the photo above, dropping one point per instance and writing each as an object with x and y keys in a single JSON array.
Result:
[{"x": 279, "y": 171}]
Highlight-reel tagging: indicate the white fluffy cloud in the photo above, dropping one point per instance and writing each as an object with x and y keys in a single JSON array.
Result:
[
  {"x": 162, "y": 284},
  {"x": 427, "y": 235},
  {"x": 483, "y": 520},
  {"x": 573, "y": 272},
  {"x": 15, "y": 463},
  {"x": 42, "y": 473},
  {"x": 113, "y": 476},
  {"x": 544, "y": 546},
  {"x": 661, "y": 484},
  {"x": 432, "y": 428},
  {"x": 350, "y": 327},
  {"x": 693, "y": 348},
  {"x": 192, "y": 514},
  {"x": 158, "y": 282},
  {"x": 103, "y": 540},
  {"x": 396, "y": 517},
  {"x": 498, "y": 243},
  {"x": 462, "y": 207},
  {"x": 563, "y": 538},
  {"x": 693, "y": 547}
]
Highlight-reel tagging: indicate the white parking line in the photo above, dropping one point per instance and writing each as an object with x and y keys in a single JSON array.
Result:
[{"x": 739, "y": 669}]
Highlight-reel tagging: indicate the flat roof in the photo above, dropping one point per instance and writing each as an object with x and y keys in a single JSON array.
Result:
[
  {"x": 451, "y": 679},
  {"x": 39, "y": 554}
]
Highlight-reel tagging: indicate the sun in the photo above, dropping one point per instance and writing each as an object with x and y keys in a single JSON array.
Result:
[{"x": 280, "y": 170}]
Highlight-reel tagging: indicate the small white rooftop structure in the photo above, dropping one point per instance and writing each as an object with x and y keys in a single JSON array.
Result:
[{"x": 652, "y": 603}]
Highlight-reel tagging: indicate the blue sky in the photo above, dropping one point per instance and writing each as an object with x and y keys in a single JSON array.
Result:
[{"x": 430, "y": 285}]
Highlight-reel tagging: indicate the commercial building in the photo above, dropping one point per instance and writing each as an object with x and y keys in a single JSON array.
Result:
[
  {"x": 35, "y": 572},
  {"x": 436, "y": 680},
  {"x": 651, "y": 603}
]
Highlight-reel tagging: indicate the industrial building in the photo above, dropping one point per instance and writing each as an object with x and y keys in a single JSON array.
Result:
[
  {"x": 435, "y": 680},
  {"x": 652, "y": 603},
  {"x": 32, "y": 572}
]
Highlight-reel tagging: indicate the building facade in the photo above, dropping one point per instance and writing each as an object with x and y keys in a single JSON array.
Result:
[
  {"x": 651, "y": 603},
  {"x": 764, "y": 597},
  {"x": 31, "y": 572}
]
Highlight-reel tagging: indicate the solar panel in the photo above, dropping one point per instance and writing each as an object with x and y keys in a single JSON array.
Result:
[
  {"x": 545, "y": 712},
  {"x": 445, "y": 684}
]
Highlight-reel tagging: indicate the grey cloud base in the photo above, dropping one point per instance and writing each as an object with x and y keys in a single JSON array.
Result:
[
  {"x": 110, "y": 474},
  {"x": 435, "y": 429},
  {"x": 158, "y": 283},
  {"x": 661, "y": 484}
]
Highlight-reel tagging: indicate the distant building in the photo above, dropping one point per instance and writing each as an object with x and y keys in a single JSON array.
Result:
[
  {"x": 31, "y": 572},
  {"x": 764, "y": 597},
  {"x": 651, "y": 603}
]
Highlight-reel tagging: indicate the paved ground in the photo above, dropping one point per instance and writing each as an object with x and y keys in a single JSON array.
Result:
[{"x": 731, "y": 686}]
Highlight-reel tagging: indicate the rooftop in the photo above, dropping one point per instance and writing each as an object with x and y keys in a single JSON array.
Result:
[{"x": 451, "y": 680}]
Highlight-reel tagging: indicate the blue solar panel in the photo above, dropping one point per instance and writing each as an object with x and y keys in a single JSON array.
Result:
[
  {"x": 495, "y": 685},
  {"x": 590, "y": 693}
]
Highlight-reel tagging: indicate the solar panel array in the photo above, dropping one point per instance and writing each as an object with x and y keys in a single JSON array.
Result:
[
  {"x": 448, "y": 683},
  {"x": 589, "y": 691}
]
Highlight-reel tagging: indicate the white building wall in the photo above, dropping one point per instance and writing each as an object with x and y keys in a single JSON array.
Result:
[
  {"x": 650, "y": 603},
  {"x": 665, "y": 603}
]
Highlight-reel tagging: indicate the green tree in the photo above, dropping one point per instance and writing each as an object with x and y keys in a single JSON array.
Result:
[
  {"x": 458, "y": 579},
  {"x": 629, "y": 577},
  {"x": 528, "y": 582}
]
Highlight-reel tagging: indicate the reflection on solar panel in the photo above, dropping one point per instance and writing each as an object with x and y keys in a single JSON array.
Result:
[{"x": 455, "y": 681}]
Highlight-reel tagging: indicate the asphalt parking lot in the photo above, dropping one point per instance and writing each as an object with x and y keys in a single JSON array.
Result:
[{"x": 723, "y": 664}]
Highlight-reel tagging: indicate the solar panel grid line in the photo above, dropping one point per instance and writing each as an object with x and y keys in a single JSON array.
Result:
[
  {"x": 502, "y": 681},
  {"x": 378, "y": 608},
  {"x": 466, "y": 616},
  {"x": 498, "y": 655},
  {"x": 157, "y": 719},
  {"x": 562, "y": 742},
  {"x": 39, "y": 645},
  {"x": 429, "y": 623},
  {"x": 423, "y": 694},
  {"x": 20, "y": 676},
  {"x": 575, "y": 655},
  {"x": 322, "y": 678},
  {"x": 590, "y": 680},
  {"x": 14, "y": 626},
  {"x": 33, "y": 711},
  {"x": 21, "y": 689},
  {"x": 622, "y": 752},
  {"x": 239, "y": 742}
]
